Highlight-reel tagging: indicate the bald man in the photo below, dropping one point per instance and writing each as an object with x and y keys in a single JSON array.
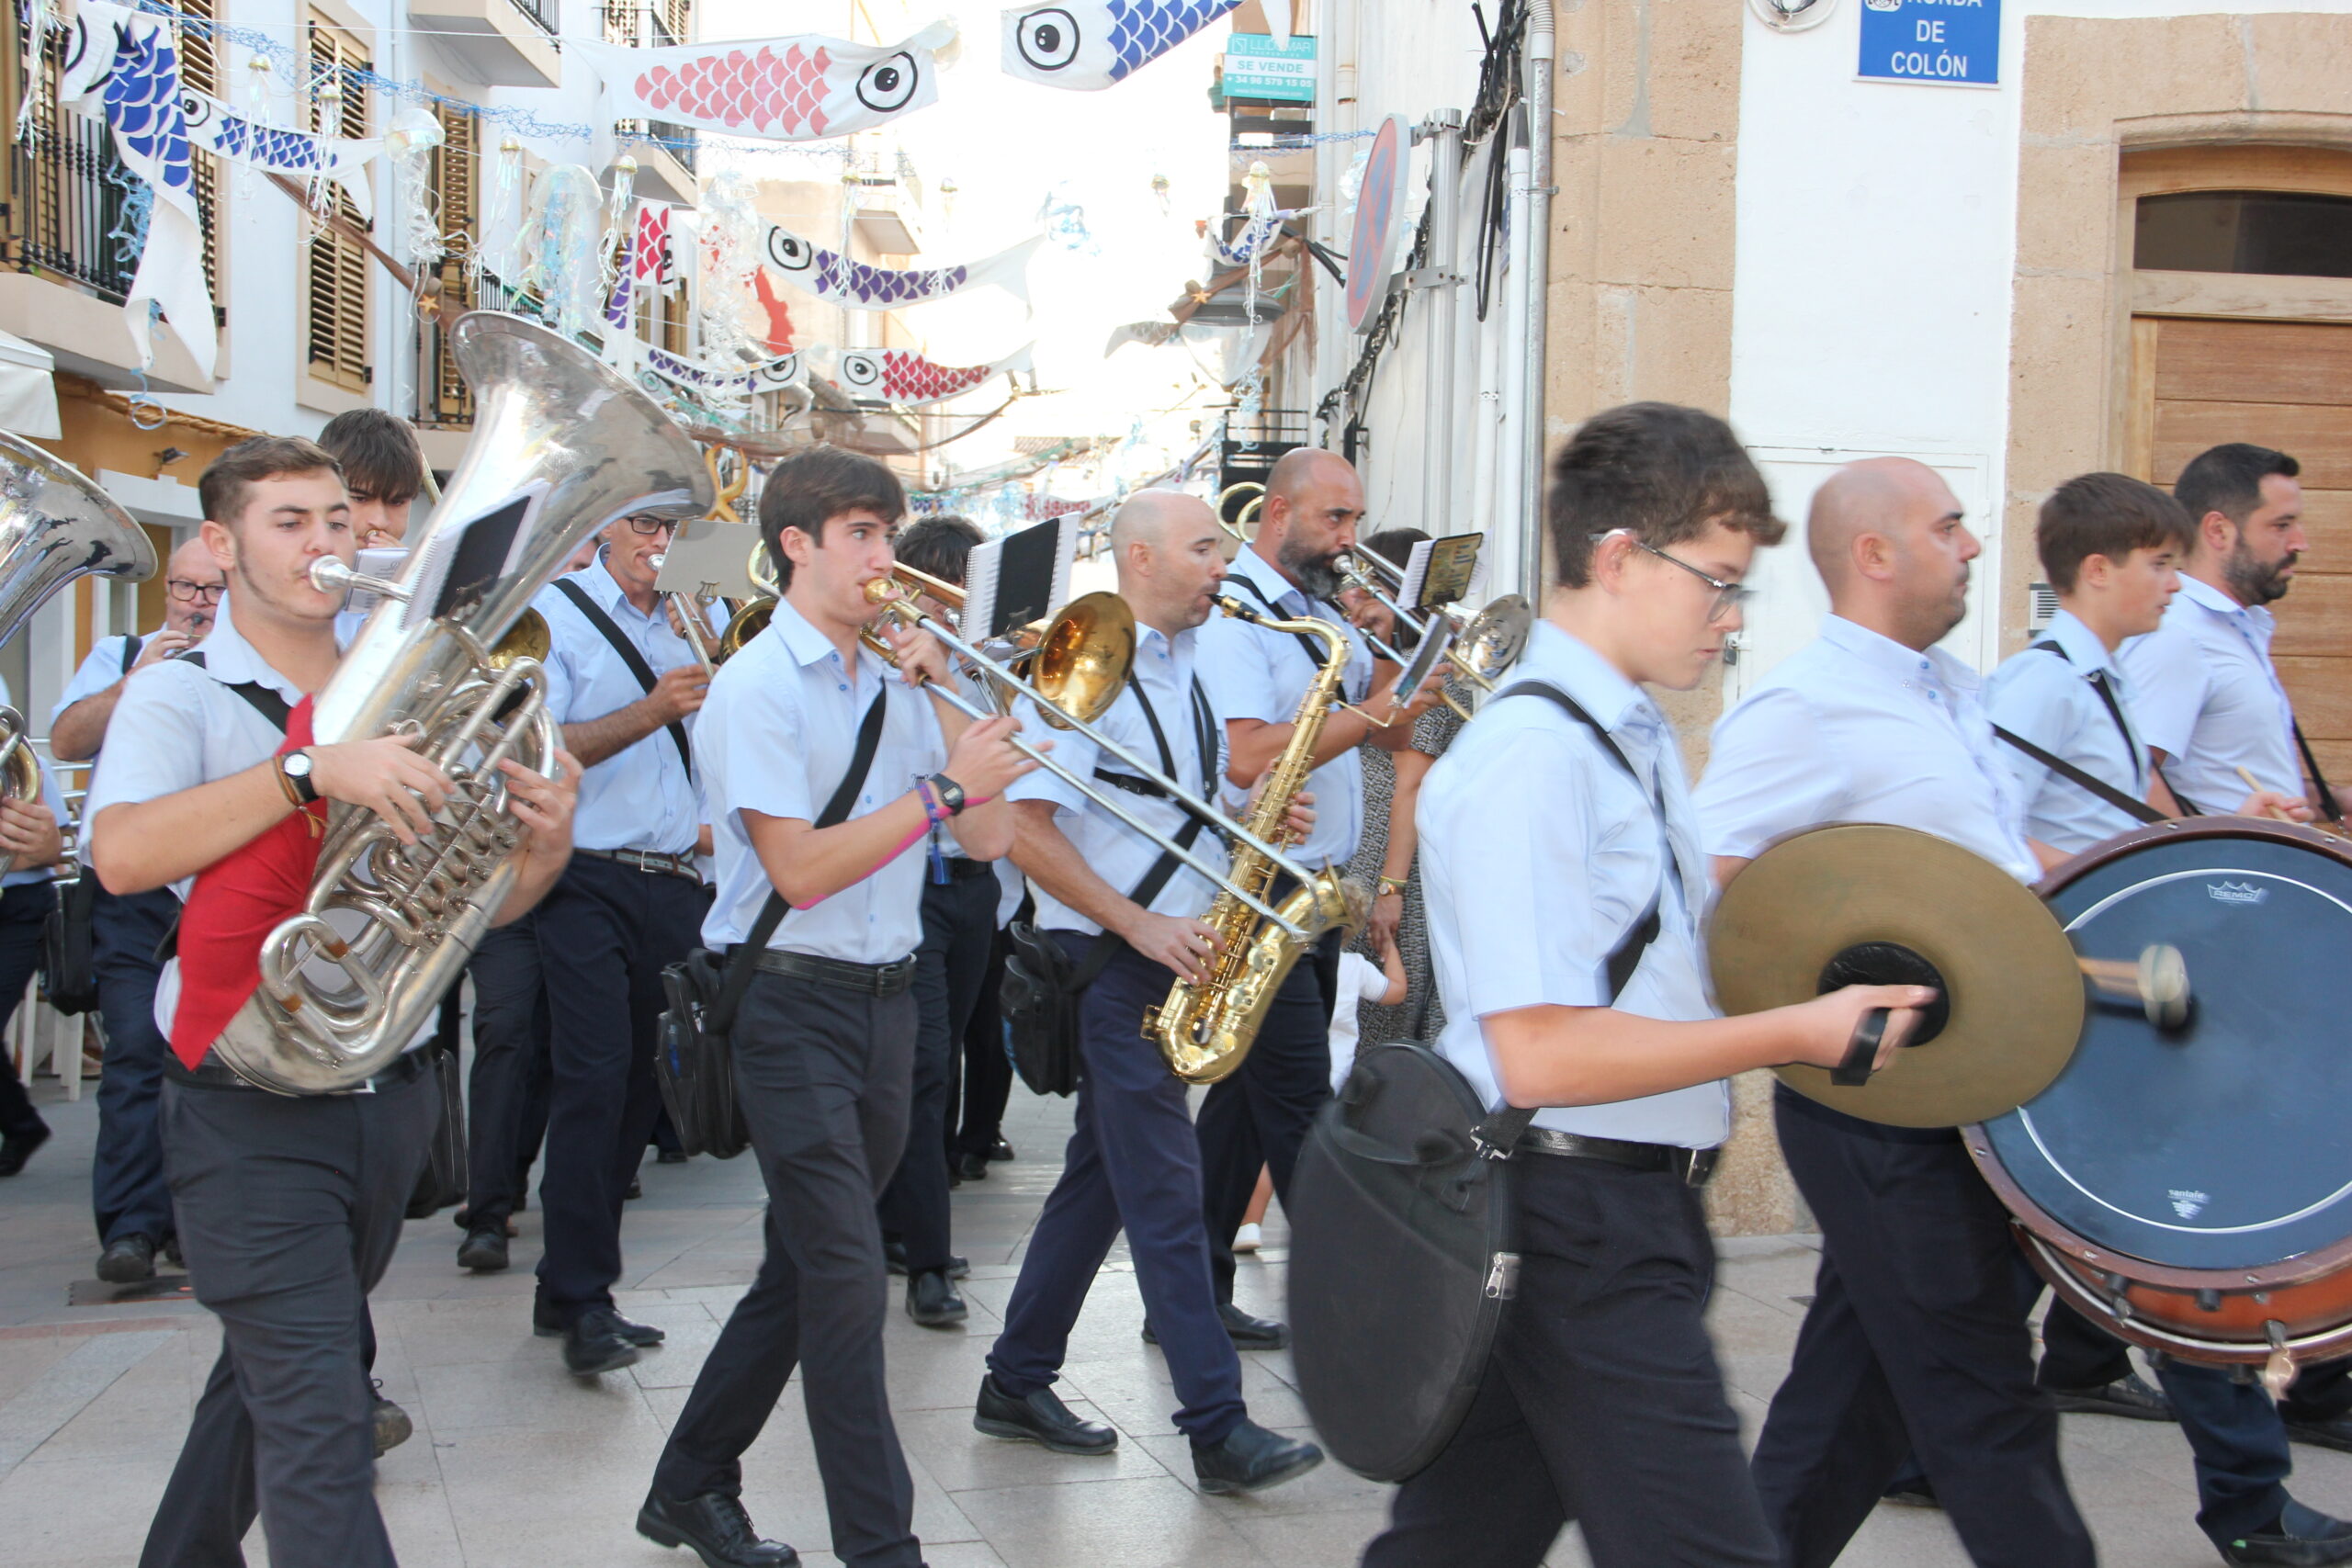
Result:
[
  {"x": 132, "y": 1206},
  {"x": 1124, "y": 916},
  {"x": 1258, "y": 1117},
  {"x": 1916, "y": 1338}
]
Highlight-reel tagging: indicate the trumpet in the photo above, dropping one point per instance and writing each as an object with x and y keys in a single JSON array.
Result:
[
  {"x": 1081, "y": 659},
  {"x": 1479, "y": 649}
]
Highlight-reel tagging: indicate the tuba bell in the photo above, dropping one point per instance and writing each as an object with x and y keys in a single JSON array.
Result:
[
  {"x": 55, "y": 528},
  {"x": 348, "y": 981}
]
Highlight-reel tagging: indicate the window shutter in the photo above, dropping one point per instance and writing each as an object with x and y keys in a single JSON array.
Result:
[
  {"x": 446, "y": 399},
  {"x": 338, "y": 267}
]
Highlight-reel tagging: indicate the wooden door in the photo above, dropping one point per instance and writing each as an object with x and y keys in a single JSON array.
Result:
[{"x": 2282, "y": 384}]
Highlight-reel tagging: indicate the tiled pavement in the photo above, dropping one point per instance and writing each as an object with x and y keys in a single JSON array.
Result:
[{"x": 515, "y": 1464}]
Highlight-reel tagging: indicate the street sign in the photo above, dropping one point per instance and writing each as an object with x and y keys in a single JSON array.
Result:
[
  {"x": 1380, "y": 221},
  {"x": 1950, "y": 43},
  {"x": 1258, "y": 67}
]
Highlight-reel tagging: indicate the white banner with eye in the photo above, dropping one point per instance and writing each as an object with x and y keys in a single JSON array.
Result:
[
  {"x": 1092, "y": 44},
  {"x": 801, "y": 88}
]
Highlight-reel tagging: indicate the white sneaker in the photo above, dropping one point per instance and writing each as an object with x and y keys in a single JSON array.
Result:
[{"x": 1246, "y": 1239}]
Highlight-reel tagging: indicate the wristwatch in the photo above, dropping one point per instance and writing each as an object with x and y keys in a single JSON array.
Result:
[
  {"x": 295, "y": 769},
  {"x": 951, "y": 794}
]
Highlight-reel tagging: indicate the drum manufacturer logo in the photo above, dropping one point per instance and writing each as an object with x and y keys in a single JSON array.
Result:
[
  {"x": 2236, "y": 892},
  {"x": 2189, "y": 1205}
]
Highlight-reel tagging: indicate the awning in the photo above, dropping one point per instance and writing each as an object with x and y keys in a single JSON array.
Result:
[{"x": 27, "y": 390}]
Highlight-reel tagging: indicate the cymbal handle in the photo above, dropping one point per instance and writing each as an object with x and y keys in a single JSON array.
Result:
[{"x": 1855, "y": 1070}]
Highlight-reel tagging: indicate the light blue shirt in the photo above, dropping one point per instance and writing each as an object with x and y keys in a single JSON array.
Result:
[
  {"x": 641, "y": 798},
  {"x": 1120, "y": 855},
  {"x": 2209, "y": 699},
  {"x": 1251, "y": 672},
  {"x": 2050, "y": 702},
  {"x": 101, "y": 669},
  {"x": 1538, "y": 854},
  {"x": 777, "y": 736},
  {"x": 1856, "y": 728}
]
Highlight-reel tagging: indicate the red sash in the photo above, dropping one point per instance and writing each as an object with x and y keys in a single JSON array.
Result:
[{"x": 236, "y": 902}]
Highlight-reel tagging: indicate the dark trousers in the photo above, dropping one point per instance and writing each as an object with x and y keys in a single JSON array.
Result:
[
  {"x": 507, "y": 1090},
  {"x": 24, "y": 911},
  {"x": 1915, "y": 1339},
  {"x": 128, "y": 1193},
  {"x": 288, "y": 1211},
  {"x": 2077, "y": 1353},
  {"x": 958, "y": 924},
  {"x": 1259, "y": 1116},
  {"x": 604, "y": 934},
  {"x": 823, "y": 1076},
  {"x": 987, "y": 1071},
  {"x": 1133, "y": 1161},
  {"x": 1602, "y": 1402}
]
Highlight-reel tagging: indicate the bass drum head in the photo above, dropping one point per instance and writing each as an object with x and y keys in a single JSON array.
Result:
[
  {"x": 1394, "y": 1223},
  {"x": 2223, "y": 1145}
]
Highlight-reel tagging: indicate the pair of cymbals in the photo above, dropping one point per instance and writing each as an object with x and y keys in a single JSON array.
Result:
[{"x": 1861, "y": 903}]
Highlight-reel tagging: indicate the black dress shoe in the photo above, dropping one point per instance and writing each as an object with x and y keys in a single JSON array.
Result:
[
  {"x": 969, "y": 1168},
  {"x": 594, "y": 1343},
  {"x": 2335, "y": 1432},
  {"x": 392, "y": 1426},
  {"x": 1252, "y": 1458},
  {"x": 636, "y": 1189},
  {"x": 1247, "y": 1333},
  {"x": 172, "y": 1252},
  {"x": 18, "y": 1147},
  {"x": 894, "y": 1257},
  {"x": 932, "y": 1299},
  {"x": 127, "y": 1260},
  {"x": 2129, "y": 1396},
  {"x": 644, "y": 1336},
  {"x": 1912, "y": 1494},
  {"x": 717, "y": 1530},
  {"x": 999, "y": 1150},
  {"x": 1041, "y": 1418},
  {"x": 670, "y": 1156},
  {"x": 484, "y": 1248},
  {"x": 2300, "y": 1538}
]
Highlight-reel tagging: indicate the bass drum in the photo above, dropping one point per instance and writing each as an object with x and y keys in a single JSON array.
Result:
[{"x": 2191, "y": 1188}]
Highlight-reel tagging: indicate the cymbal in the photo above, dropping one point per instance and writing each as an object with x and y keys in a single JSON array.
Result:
[{"x": 1843, "y": 894}]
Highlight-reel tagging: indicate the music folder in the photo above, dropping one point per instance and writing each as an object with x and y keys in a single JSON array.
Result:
[
  {"x": 710, "y": 557},
  {"x": 1017, "y": 578}
]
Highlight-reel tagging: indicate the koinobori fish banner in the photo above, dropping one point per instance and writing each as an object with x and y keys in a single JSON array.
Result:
[
  {"x": 1092, "y": 44},
  {"x": 895, "y": 376},
  {"x": 857, "y": 286},
  {"x": 297, "y": 154},
  {"x": 800, "y": 88}
]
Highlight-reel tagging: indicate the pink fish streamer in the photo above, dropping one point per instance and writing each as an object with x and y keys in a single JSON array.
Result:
[
  {"x": 801, "y": 88},
  {"x": 906, "y": 379}
]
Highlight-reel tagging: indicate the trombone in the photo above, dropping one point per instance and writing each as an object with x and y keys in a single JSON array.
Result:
[
  {"x": 1479, "y": 648},
  {"x": 1081, "y": 661},
  {"x": 1239, "y": 527},
  {"x": 689, "y": 607}
]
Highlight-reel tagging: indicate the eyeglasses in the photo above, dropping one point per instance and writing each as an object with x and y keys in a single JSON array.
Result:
[
  {"x": 647, "y": 527},
  {"x": 187, "y": 592},
  {"x": 1729, "y": 596}
]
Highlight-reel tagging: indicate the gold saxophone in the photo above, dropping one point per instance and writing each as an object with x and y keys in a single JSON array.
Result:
[{"x": 1205, "y": 1031}]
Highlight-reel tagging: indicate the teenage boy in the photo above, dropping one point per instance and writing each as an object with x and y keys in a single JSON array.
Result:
[
  {"x": 383, "y": 473},
  {"x": 822, "y": 768},
  {"x": 289, "y": 1206},
  {"x": 1564, "y": 890}
]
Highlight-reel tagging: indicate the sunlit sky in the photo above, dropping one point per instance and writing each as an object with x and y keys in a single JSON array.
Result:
[{"x": 1006, "y": 145}]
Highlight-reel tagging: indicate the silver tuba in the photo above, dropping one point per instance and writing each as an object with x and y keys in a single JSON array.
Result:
[
  {"x": 55, "y": 526},
  {"x": 569, "y": 446}
]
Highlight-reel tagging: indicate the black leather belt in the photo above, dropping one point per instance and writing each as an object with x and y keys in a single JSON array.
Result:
[
  {"x": 406, "y": 1067},
  {"x": 962, "y": 869},
  {"x": 1694, "y": 1165},
  {"x": 868, "y": 979},
  {"x": 647, "y": 860}
]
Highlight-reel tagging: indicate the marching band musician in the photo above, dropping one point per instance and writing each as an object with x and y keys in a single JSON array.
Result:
[
  {"x": 824, "y": 1042},
  {"x": 383, "y": 471},
  {"x": 28, "y": 832},
  {"x": 1564, "y": 894},
  {"x": 289, "y": 1206},
  {"x": 1258, "y": 1117},
  {"x": 625, "y": 686},
  {"x": 2108, "y": 545},
  {"x": 1918, "y": 1325},
  {"x": 1133, "y": 1161},
  {"x": 133, "y": 1203}
]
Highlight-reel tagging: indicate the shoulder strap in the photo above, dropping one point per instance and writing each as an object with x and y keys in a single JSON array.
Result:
[
  {"x": 2098, "y": 683},
  {"x": 2140, "y": 810},
  {"x": 260, "y": 698},
  {"x": 130, "y": 647},
  {"x": 741, "y": 962},
  {"x": 630, "y": 657},
  {"x": 1314, "y": 649},
  {"x": 1143, "y": 893},
  {"x": 2325, "y": 796}
]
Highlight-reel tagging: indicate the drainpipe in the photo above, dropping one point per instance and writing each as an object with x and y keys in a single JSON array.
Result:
[
  {"x": 1443, "y": 132},
  {"x": 1504, "y": 496},
  {"x": 1537, "y": 212}
]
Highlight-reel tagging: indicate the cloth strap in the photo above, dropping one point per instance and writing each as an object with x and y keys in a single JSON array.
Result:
[
  {"x": 743, "y": 961},
  {"x": 1314, "y": 650},
  {"x": 260, "y": 698},
  {"x": 2328, "y": 808},
  {"x": 1162, "y": 869},
  {"x": 638, "y": 667},
  {"x": 1499, "y": 1132},
  {"x": 130, "y": 647}
]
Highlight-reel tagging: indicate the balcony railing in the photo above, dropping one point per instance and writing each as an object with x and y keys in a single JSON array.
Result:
[
  {"x": 678, "y": 141},
  {"x": 541, "y": 12},
  {"x": 639, "y": 25}
]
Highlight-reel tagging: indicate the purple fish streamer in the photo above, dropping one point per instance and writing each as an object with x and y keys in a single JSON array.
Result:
[{"x": 854, "y": 285}]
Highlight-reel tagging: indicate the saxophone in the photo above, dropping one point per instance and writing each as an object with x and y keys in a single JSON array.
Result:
[{"x": 1205, "y": 1031}]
